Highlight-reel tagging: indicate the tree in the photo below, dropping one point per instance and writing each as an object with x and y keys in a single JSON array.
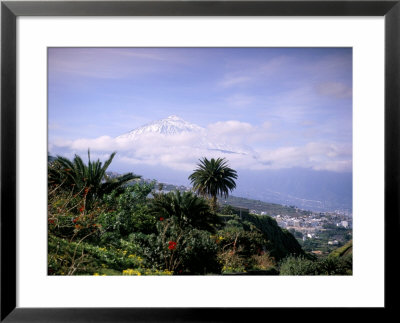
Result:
[
  {"x": 185, "y": 208},
  {"x": 90, "y": 179},
  {"x": 213, "y": 177}
]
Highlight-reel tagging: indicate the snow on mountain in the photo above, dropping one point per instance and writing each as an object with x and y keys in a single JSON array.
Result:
[
  {"x": 175, "y": 126},
  {"x": 169, "y": 126}
]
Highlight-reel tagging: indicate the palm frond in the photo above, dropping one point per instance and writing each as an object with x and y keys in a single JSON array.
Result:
[{"x": 213, "y": 177}]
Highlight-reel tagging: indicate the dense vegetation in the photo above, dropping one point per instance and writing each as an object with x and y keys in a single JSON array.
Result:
[
  {"x": 121, "y": 226},
  {"x": 338, "y": 262}
]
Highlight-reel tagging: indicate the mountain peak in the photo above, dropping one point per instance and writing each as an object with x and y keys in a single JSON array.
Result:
[{"x": 171, "y": 125}]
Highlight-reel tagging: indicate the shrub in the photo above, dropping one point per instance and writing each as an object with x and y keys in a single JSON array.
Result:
[
  {"x": 231, "y": 262},
  {"x": 241, "y": 250},
  {"x": 263, "y": 261},
  {"x": 326, "y": 266},
  {"x": 177, "y": 249},
  {"x": 227, "y": 210},
  {"x": 298, "y": 266},
  {"x": 127, "y": 213},
  {"x": 336, "y": 265},
  {"x": 68, "y": 217},
  {"x": 75, "y": 258},
  {"x": 186, "y": 209}
]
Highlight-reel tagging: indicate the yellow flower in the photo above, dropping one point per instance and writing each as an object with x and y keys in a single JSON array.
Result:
[
  {"x": 96, "y": 274},
  {"x": 131, "y": 272},
  {"x": 127, "y": 271}
]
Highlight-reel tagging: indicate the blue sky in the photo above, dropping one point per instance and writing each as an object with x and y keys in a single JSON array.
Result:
[{"x": 294, "y": 104}]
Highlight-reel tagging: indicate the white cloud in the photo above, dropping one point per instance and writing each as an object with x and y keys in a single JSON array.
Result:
[
  {"x": 316, "y": 155},
  {"x": 230, "y": 139}
]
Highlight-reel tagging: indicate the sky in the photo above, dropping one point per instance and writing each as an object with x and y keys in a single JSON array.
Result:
[{"x": 290, "y": 107}]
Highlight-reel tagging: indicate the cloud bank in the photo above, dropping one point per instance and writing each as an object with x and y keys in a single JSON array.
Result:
[{"x": 244, "y": 145}]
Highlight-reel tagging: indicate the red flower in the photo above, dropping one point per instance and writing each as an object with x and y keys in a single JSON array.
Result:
[
  {"x": 75, "y": 220},
  {"x": 172, "y": 245},
  {"x": 161, "y": 219},
  {"x": 51, "y": 221},
  {"x": 82, "y": 208}
]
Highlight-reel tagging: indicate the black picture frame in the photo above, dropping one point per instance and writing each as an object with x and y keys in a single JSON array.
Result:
[{"x": 10, "y": 10}]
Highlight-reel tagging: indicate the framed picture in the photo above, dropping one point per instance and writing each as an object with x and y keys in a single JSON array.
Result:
[{"x": 198, "y": 82}]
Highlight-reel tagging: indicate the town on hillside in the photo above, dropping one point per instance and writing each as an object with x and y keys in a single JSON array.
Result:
[{"x": 317, "y": 232}]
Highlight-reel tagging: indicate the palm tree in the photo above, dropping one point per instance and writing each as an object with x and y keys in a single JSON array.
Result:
[
  {"x": 186, "y": 208},
  {"x": 90, "y": 179},
  {"x": 213, "y": 177}
]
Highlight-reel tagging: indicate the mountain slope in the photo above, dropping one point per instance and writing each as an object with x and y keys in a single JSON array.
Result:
[
  {"x": 283, "y": 243},
  {"x": 169, "y": 126},
  {"x": 182, "y": 130}
]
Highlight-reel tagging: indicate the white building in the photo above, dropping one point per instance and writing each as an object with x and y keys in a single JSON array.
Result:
[
  {"x": 296, "y": 223},
  {"x": 334, "y": 242}
]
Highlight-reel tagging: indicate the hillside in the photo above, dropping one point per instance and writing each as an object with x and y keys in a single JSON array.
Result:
[
  {"x": 142, "y": 229},
  {"x": 260, "y": 206},
  {"x": 282, "y": 242},
  {"x": 346, "y": 250}
]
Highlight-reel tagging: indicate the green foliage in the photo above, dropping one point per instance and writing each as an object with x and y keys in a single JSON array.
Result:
[
  {"x": 298, "y": 266},
  {"x": 89, "y": 179},
  {"x": 185, "y": 208},
  {"x": 345, "y": 250},
  {"x": 227, "y": 210},
  {"x": 181, "y": 250},
  {"x": 336, "y": 266},
  {"x": 325, "y": 266},
  {"x": 82, "y": 258},
  {"x": 282, "y": 241},
  {"x": 242, "y": 249},
  {"x": 199, "y": 253},
  {"x": 213, "y": 177},
  {"x": 127, "y": 212},
  {"x": 68, "y": 217},
  {"x": 97, "y": 226}
]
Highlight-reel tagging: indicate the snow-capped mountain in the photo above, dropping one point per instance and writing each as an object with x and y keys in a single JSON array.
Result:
[
  {"x": 175, "y": 126},
  {"x": 169, "y": 126}
]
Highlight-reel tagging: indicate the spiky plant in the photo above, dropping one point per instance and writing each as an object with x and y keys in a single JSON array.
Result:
[
  {"x": 186, "y": 208},
  {"x": 91, "y": 179},
  {"x": 212, "y": 178}
]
